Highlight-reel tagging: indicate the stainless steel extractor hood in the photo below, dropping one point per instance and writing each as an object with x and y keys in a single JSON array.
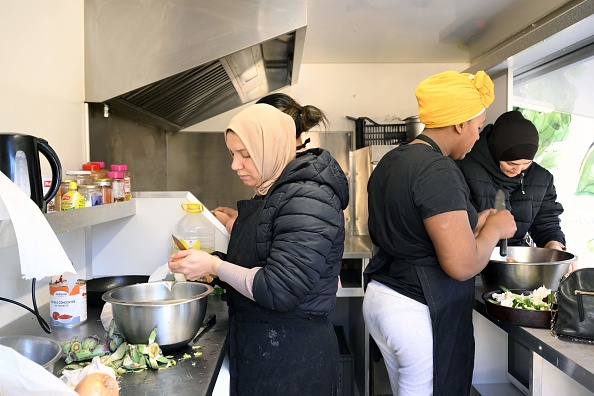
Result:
[{"x": 174, "y": 63}]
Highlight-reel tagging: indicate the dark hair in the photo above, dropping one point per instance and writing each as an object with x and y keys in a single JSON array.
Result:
[{"x": 305, "y": 117}]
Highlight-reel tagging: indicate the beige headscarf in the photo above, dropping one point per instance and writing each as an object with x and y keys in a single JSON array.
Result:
[
  {"x": 450, "y": 98},
  {"x": 268, "y": 135}
]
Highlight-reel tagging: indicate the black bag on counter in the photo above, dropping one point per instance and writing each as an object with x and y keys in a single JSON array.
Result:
[{"x": 572, "y": 311}]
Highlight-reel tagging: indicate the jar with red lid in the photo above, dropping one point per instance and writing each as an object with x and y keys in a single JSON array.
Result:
[
  {"x": 102, "y": 170},
  {"x": 94, "y": 169}
]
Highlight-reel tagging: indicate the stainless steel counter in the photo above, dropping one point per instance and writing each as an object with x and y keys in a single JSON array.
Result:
[
  {"x": 575, "y": 359},
  {"x": 195, "y": 375},
  {"x": 357, "y": 246},
  {"x": 191, "y": 376}
]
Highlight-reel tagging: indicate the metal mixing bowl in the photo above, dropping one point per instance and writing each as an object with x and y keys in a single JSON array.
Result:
[
  {"x": 177, "y": 309},
  {"x": 43, "y": 351},
  {"x": 535, "y": 267}
]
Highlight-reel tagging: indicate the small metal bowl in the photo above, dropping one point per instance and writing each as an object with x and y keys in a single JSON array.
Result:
[
  {"x": 43, "y": 351},
  {"x": 177, "y": 309},
  {"x": 517, "y": 316}
]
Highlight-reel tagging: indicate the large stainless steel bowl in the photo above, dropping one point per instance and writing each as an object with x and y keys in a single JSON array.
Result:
[
  {"x": 177, "y": 309},
  {"x": 535, "y": 267},
  {"x": 43, "y": 351}
]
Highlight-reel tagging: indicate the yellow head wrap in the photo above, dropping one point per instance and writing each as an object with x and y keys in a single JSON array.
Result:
[
  {"x": 450, "y": 97},
  {"x": 268, "y": 135}
]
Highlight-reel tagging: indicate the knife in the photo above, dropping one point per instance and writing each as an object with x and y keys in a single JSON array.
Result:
[
  {"x": 207, "y": 324},
  {"x": 182, "y": 246},
  {"x": 500, "y": 205},
  {"x": 178, "y": 243}
]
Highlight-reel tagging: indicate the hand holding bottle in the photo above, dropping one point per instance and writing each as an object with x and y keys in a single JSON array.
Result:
[{"x": 194, "y": 264}]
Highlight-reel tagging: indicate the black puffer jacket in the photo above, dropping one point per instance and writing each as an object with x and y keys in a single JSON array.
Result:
[
  {"x": 300, "y": 237},
  {"x": 530, "y": 196}
]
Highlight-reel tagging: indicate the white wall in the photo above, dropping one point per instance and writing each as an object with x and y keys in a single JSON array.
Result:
[
  {"x": 375, "y": 90},
  {"x": 41, "y": 94},
  {"x": 42, "y": 74}
]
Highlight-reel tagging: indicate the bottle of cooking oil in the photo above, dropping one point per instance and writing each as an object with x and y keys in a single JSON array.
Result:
[{"x": 194, "y": 230}]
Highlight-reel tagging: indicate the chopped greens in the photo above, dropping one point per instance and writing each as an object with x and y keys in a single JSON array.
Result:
[{"x": 539, "y": 300}]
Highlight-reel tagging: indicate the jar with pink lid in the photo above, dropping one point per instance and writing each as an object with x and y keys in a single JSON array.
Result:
[
  {"x": 118, "y": 191},
  {"x": 127, "y": 178}
]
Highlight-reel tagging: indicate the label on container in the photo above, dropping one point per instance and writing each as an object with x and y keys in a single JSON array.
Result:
[
  {"x": 127, "y": 188},
  {"x": 73, "y": 200},
  {"x": 193, "y": 244},
  {"x": 68, "y": 308}
]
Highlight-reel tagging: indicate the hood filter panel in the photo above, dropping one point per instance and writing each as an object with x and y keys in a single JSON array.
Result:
[{"x": 179, "y": 98}]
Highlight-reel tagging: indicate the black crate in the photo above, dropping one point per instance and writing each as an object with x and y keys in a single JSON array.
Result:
[
  {"x": 369, "y": 132},
  {"x": 345, "y": 375}
]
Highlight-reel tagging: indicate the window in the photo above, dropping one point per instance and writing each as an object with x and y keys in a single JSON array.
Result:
[{"x": 559, "y": 99}]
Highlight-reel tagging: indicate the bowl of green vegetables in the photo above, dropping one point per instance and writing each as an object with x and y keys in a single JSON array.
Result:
[{"x": 529, "y": 308}]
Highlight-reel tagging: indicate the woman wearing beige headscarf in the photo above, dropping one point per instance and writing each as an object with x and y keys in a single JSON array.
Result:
[
  {"x": 432, "y": 242},
  {"x": 282, "y": 262}
]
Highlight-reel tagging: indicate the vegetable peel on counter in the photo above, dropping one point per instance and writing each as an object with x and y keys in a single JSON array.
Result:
[
  {"x": 114, "y": 353},
  {"x": 539, "y": 300}
]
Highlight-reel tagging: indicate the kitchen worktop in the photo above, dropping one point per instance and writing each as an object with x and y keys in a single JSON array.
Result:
[
  {"x": 575, "y": 359},
  {"x": 191, "y": 376},
  {"x": 357, "y": 246}
]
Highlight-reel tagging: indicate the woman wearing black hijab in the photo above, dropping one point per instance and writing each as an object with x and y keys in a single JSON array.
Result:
[{"x": 503, "y": 158}]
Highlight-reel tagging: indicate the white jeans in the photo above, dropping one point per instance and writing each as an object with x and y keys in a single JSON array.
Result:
[{"x": 401, "y": 327}]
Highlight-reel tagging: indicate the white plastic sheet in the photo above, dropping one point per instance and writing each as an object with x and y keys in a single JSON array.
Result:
[{"x": 20, "y": 376}]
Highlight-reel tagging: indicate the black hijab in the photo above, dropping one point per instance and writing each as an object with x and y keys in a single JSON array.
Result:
[{"x": 513, "y": 137}]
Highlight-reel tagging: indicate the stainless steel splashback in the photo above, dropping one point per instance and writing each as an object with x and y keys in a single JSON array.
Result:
[
  {"x": 362, "y": 163},
  {"x": 198, "y": 162}
]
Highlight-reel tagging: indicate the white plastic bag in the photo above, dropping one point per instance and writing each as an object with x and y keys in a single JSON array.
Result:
[{"x": 20, "y": 376}]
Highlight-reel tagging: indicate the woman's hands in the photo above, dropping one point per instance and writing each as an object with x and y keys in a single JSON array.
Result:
[
  {"x": 226, "y": 216},
  {"x": 461, "y": 254},
  {"x": 194, "y": 264},
  {"x": 500, "y": 222},
  {"x": 482, "y": 218},
  {"x": 555, "y": 245}
]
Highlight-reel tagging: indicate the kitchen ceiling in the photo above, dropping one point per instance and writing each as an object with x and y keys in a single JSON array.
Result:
[
  {"x": 415, "y": 31},
  {"x": 175, "y": 63}
]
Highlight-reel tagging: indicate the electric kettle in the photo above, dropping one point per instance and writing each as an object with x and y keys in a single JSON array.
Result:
[{"x": 19, "y": 161}]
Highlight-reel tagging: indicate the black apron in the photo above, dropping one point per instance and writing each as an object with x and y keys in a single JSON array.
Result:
[
  {"x": 450, "y": 304},
  {"x": 272, "y": 353}
]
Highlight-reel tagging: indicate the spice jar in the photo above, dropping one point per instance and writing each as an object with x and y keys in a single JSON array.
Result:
[
  {"x": 106, "y": 190},
  {"x": 102, "y": 171},
  {"x": 118, "y": 191},
  {"x": 82, "y": 177},
  {"x": 94, "y": 168},
  {"x": 127, "y": 178},
  {"x": 61, "y": 191},
  {"x": 92, "y": 194}
]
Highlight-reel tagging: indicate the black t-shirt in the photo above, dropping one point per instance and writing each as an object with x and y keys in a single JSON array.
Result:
[{"x": 411, "y": 183}]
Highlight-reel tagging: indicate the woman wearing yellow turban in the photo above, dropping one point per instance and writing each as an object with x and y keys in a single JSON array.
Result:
[{"x": 431, "y": 242}]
